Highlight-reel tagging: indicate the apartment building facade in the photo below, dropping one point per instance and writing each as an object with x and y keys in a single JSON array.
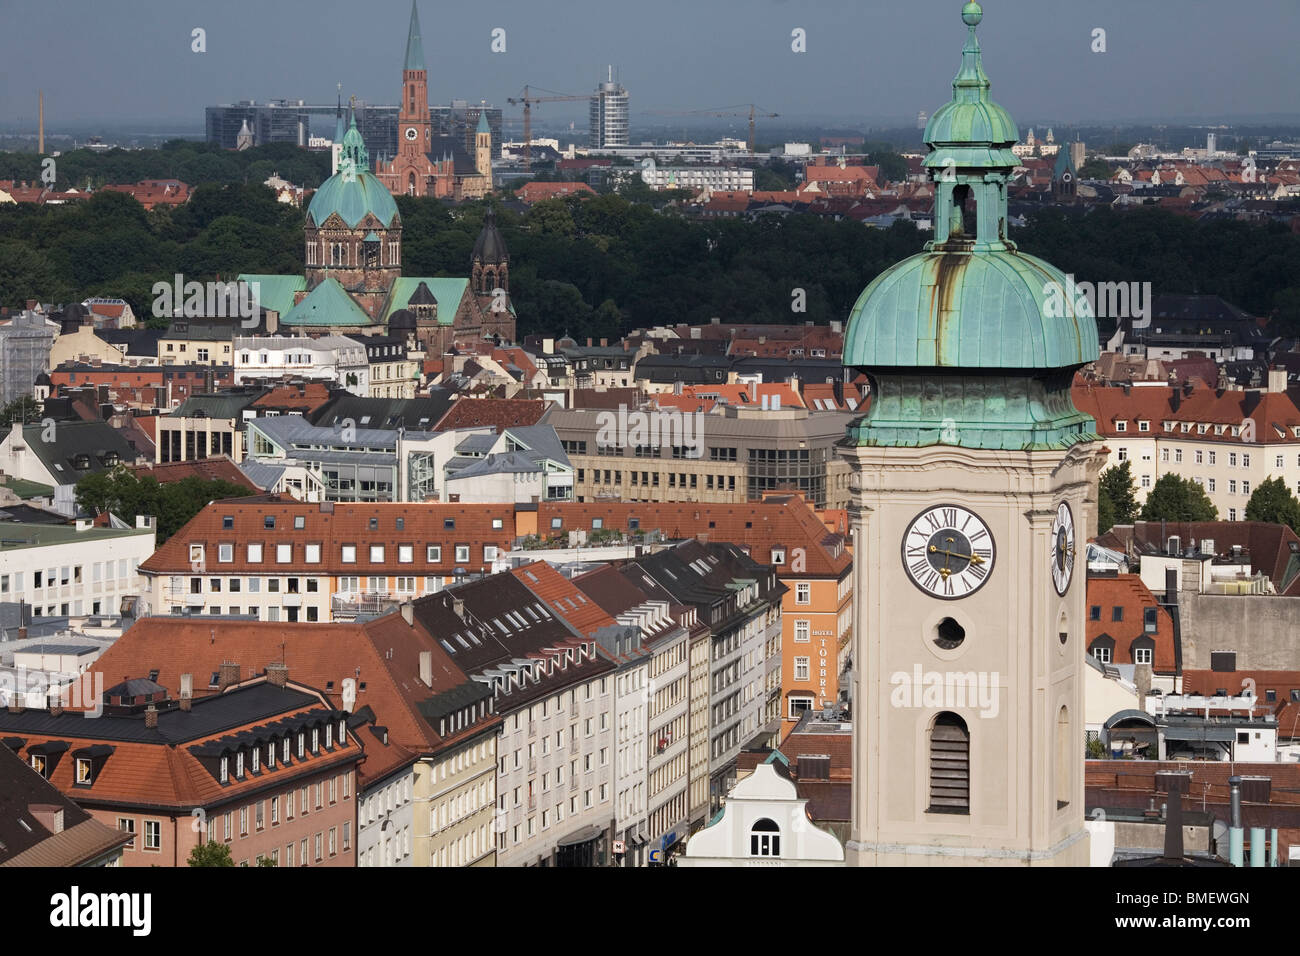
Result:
[
  {"x": 425, "y": 790},
  {"x": 729, "y": 455},
  {"x": 1227, "y": 441},
  {"x": 71, "y": 570},
  {"x": 267, "y": 768},
  {"x": 286, "y": 560},
  {"x": 739, "y": 601},
  {"x": 554, "y": 693}
]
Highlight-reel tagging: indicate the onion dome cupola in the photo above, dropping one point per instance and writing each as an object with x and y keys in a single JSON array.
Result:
[
  {"x": 971, "y": 342},
  {"x": 353, "y": 192}
]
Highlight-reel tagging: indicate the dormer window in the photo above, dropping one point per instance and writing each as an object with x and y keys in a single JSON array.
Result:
[
  {"x": 1144, "y": 426},
  {"x": 225, "y": 770},
  {"x": 284, "y": 750},
  {"x": 315, "y": 740},
  {"x": 1202, "y": 429},
  {"x": 1121, "y": 426},
  {"x": 343, "y": 732},
  {"x": 84, "y": 772},
  {"x": 329, "y": 736},
  {"x": 270, "y": 756},
  {"x": 257, "y": 760},
  {"x": 778, "y": 555},
  {"x": 239, "y": 765},
  {"x": 302, "y": 738}
]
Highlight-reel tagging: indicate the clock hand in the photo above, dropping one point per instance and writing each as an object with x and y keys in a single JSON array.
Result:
[{"x": 972, "y": 558}]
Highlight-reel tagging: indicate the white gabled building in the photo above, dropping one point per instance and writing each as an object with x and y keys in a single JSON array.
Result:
[{"x": 764, "y": 823}]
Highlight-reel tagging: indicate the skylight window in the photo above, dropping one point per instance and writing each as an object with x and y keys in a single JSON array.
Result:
[
  {"x": 450, "y": 649},
  {"x": 463, "y": 643}
]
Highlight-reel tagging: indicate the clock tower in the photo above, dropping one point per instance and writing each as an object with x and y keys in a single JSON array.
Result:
[
  {"x": 971, "y": 471},
  {"x": 415, "y": 170}
]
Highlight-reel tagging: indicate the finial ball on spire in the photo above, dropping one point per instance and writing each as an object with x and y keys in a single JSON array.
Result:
[{"x": 972, "y": 14}]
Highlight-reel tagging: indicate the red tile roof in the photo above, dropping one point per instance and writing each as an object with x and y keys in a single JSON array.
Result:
[
  {"x": 779, "y": 521},
  {"x": 205, "y": 468},
  {"x": 1275, "y": 416},
  {"x": 563, "y": 597},
  {"x": 500, "y": 413},
  {"x": 333, "y": 525},
  {"x": 1131, "y": 597}
]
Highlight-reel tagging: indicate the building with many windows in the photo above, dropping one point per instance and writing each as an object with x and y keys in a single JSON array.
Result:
[
  {"x": 71, "y": 570},
  {"x": 733, "y": 454},
  {"x": 425, "y": 790},
  {"x": 1227, "y": 441},
  {"x": 267, "y": 768}
]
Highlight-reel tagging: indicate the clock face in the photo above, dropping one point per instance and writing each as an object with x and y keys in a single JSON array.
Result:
[
  {"x": 1062, "y": 557},
  {"x": 412, "y": 133},
  {"x": 948, "y": 552}
]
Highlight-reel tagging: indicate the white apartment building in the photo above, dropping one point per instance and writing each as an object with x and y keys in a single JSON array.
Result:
[
  {"x": 712, "y": 178},
  {"x": 332, "y": 358},
  {"x": 1226, "y": 441},
  {"x": 74, "y": 570}
]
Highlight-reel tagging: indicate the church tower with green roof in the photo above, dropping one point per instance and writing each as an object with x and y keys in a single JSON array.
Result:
[{"x": 972, "y": 487}]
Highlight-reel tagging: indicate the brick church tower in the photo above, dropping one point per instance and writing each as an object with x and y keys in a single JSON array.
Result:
[{"x": 412, "y": 172}]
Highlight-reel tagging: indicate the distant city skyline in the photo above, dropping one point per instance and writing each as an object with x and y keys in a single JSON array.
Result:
[{"x": 864, "y": 63}]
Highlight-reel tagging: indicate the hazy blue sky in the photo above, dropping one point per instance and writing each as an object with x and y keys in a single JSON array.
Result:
[{"x": 872, "y": 60}]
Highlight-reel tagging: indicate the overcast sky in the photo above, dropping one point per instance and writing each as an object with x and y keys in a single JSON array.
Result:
[{"x": 866, "y": 60}]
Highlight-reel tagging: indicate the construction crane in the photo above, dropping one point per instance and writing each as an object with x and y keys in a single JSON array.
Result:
[
  {"x": 528, "y": 102},
  {"x": 724, "y": 111}
]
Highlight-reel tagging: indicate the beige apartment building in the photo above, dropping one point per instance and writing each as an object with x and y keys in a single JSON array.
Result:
[
  {"x": 732, "y": 454},
  {"x": 1227, "y": 441}
]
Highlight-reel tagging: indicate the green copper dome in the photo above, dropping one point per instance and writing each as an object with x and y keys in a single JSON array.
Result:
[
  {"x": 972, "y": 342},
  {"x": 997, "y": 309},
  {"x": 353, "y": 192}
]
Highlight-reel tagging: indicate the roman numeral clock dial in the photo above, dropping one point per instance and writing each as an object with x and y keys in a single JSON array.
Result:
[
  {"x": 1062, "y": 556},
  {"x": 948, "y": 552}
]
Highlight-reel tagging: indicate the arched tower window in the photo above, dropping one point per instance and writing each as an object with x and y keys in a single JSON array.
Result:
[
  {"x": 410, "y": 184},
  {"x": 764, "y": 838},
  {"x": 949, "y": 765},
  {"x": 1063, "y": 758}
]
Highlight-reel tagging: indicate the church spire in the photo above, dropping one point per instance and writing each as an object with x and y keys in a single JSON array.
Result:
[{"x": 414, "y": 48}]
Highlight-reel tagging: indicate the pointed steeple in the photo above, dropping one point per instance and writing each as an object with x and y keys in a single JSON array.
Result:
[
  {"x": 483, "y": 123},
  {"x": 414, "y": 48}
]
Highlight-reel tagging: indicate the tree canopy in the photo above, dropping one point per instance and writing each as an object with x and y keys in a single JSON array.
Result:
[
  {"x": 1175, "y": 498},
  {"x": 1272, "y": 501},
  {"x": 211, "y": 853},
  {"x": 174, "y": 503},
  {"x": 1116, "y": 497}
]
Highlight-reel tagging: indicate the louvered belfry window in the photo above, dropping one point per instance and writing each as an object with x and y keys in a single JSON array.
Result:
[{"x": 949, "y": 765}]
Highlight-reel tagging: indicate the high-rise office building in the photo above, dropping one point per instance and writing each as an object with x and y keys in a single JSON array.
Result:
[{"x": 609, "y": 113}]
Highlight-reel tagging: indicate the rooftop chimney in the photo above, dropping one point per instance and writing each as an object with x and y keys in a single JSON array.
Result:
[
  {"x": 408, "y": 613},
  {"x": 187, "y": 691},
  {"x": 151, "y": 716},
  {"x": 1277, "y": 378},
  {"x": 458, "y": 608},
  {"x": 1174, "y": 827},
  {"x": 426, "y": 668},
  {"x": 277, "y": 674},
  {"x": 228, "y": 675}
]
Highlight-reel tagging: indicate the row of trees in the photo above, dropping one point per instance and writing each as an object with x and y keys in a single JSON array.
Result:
[
  {"x": 1174, "y": 498},
  {"x": 603, "y": 265}
]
